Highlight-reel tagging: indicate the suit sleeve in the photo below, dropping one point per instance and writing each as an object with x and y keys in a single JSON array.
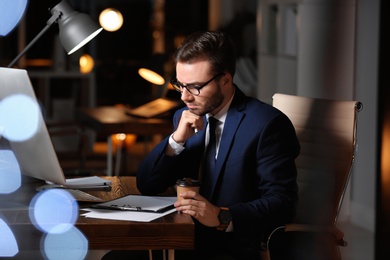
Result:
[
  {"x": 159, "y": 171},
  {"x": 276, "y": 151}
]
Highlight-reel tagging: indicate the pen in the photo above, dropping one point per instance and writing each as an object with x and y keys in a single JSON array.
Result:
[
  {"x": 132, "y": 208},
  {"x": 127, "y": 208},
  {"x": 196, "y": 131},
  {"x": 117, "y": 207}
]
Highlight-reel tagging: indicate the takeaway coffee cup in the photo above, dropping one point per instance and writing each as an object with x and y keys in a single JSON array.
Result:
[{"x": 186, "y": 184}]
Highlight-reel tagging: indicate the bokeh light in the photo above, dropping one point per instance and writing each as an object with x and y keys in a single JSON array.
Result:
[
  {"x": 8, "y": 244},
  {"x": 51, "y": 208},
  {"x": 10, "y": 176},
  {"x": 19, "y": 117},
  {"x": 86, "y": 63},
  {"x": 71, "y": 244},
  {"x": 11, "y": 12},
  {"x": 111, "y": 19}
]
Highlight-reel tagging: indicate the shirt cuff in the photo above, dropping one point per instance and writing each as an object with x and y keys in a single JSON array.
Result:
[
  {"x": 175, "y": 148},
  {"x": 230, "y": 227}
]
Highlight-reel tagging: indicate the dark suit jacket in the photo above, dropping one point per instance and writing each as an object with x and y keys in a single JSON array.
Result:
[{"x": 255, "y": 167}]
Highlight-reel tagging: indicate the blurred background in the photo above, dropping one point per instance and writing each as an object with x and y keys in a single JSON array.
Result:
[
  {"x": 319, "y": 48},
  {"x": 150, "y": 32}
]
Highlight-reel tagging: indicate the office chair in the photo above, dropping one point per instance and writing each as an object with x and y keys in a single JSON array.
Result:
[{"x": 326, "y": 130}]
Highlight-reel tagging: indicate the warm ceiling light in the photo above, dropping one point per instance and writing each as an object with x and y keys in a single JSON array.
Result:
[
  {"x": 86, "y": 63},
  {"x": 111, "y": 19},
  {"x": 151, "y": 76}
]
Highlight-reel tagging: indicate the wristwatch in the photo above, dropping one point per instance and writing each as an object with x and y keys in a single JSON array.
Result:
[{"x": 225, "y": 218}]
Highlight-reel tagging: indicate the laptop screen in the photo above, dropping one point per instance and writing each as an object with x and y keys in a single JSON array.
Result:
[{"x": 23, "y": 130}]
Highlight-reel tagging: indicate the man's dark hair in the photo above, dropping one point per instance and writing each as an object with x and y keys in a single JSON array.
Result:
[{"x": 214, "y": 46}]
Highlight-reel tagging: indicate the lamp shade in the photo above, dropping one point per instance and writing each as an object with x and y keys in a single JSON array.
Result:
[
  {"x": 75, "y": 29},
  {"x": 151, "y": 76},
  {"x": 153, "y": 69}
]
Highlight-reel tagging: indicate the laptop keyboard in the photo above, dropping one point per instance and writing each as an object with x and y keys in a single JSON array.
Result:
[{"x": 83, "y": 196}]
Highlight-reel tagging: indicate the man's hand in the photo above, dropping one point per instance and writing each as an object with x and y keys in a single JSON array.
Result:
[
  {"x": 199, "y": 208},
  {"x": 187, "y": 125}
]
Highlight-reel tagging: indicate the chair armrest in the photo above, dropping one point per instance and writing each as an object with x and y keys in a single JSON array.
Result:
[
  {"x": 338, "y": 235},
  {"x": 265, "y": 254}
]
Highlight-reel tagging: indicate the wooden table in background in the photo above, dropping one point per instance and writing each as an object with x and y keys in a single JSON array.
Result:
[{"x": 110, "y": 120}]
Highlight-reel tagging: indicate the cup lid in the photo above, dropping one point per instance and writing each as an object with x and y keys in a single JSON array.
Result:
[{"x": 185, "y": 182}]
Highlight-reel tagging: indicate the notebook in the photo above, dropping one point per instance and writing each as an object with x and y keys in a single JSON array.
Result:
[{"x": 169, "y": 101}]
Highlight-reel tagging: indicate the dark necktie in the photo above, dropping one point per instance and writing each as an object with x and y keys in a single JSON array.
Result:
[{"x": 209, "y": 161}]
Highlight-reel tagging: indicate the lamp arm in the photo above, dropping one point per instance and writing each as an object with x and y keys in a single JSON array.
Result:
[{"x": 56, "y": 15}]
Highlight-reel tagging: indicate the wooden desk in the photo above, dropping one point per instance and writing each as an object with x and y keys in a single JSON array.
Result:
[
  {"x": 112, "y": 120},
  {"x": 173, "y": 231}
]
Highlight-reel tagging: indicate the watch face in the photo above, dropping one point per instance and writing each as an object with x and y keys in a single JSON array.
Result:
[{"x": 224, "y": 216}]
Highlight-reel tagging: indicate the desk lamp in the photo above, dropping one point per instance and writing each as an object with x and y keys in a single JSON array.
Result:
[{"x": 75, "y": 29}]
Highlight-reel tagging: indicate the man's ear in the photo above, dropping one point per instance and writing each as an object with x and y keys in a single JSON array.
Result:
[{"x": 227, "y": 79}]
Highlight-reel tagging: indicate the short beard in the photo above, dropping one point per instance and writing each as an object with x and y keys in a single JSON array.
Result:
[{"x": 214, "y": 102}]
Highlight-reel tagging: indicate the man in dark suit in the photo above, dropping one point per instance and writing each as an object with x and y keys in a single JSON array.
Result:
[{"x": 252, "y": 187}]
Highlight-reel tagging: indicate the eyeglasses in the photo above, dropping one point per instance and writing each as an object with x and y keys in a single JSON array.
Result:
[{"x": 192, "y": 88}]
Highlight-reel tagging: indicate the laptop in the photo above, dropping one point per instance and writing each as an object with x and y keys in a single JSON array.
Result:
[
  {"x": 35, "y": 155},
  {"x": 32, "y": 150},
  {"x": 169, "y": 101}
]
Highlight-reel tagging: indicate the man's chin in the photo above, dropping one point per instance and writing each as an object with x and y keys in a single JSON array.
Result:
[{"x": 196, "y": 112}]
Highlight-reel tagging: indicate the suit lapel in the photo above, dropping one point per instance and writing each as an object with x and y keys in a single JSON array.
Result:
[{"x": 233, "y": 120}]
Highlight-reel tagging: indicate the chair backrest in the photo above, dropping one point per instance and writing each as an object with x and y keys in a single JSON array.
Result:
[{"x": 326, "y": 130}]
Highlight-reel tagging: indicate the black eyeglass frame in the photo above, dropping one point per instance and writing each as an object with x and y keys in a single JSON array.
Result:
[{"x": 193, "y": 87}]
